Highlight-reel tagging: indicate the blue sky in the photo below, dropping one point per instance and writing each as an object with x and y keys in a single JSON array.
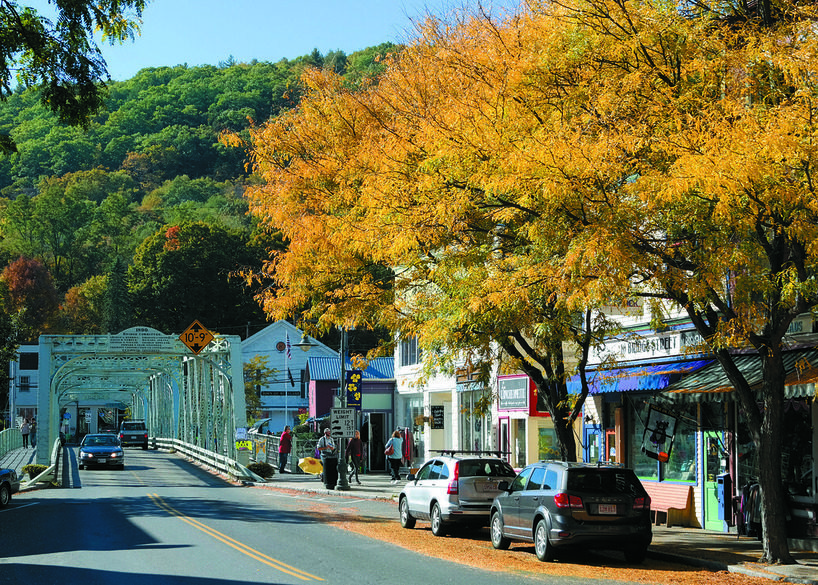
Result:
[{"x": 199, "y": 32}]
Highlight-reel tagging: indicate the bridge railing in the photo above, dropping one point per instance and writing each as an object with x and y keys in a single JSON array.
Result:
[
  {"x": 265, "y": 448},
  {"x": 211, "y": 459},
  {"x": 10, "y": 439}
]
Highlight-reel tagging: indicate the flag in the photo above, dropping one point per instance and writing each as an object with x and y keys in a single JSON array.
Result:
[
  {"x": 290, "y": 374},
  {"x": 289, "y": 353}
]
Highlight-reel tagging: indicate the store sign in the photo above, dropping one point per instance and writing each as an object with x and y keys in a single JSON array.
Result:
[
  {"x": 438, "y": 416},
  {"x": 512, "y": 393}
]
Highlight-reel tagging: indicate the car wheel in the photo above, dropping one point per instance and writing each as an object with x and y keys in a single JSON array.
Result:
[
  {"x": 145, "y": 447},
  {"x": 636, "y": 555},
  {"x": 438, "y": 526},
  {"x": 543, "y": 548},
  {"x": 498, "y": 541},
  {"x": 79, "y": 466},
  {"x": 406, "y": 519},
  {"x": 5, "y": 495}
]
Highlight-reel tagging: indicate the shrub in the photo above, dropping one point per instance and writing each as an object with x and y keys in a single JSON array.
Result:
[
  {"x": 33, "y": 469},
  {"x": 261, "y": 468}
]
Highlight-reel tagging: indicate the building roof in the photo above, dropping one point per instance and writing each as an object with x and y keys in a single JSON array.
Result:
[{"x": 326, "y": 368}]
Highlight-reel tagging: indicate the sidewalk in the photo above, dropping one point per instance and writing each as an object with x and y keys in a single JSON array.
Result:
[
  {"x": 707, "y": 549},
  {"x": 18, "y": 458}
]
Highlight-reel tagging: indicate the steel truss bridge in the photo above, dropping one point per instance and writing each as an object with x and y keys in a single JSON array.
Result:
[{"x": 197, "y": 399}]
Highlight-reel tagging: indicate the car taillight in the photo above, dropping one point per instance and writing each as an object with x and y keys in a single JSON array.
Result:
[
  {"x": 641, "y": 503},
  {"x": 454, "y": 485},
  {"x": 564, "y": 500},
  {"x": 121, "y": 436},
  {"x": 146, "y": 434}
]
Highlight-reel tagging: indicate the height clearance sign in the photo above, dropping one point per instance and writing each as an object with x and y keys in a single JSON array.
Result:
[{"x": 196, "y": 337}]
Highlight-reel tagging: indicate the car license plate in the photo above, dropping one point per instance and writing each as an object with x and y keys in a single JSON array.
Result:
[
  {"x": 103, "y": 460},
  {"x": 489, "y": 487},
  {"x": 607, "y": 508}
]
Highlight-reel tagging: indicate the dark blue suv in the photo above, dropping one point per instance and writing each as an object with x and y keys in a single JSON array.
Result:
[{"x": 557, "y": 505}]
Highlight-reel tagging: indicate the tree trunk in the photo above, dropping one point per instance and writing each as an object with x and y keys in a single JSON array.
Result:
[{"x": 773, "y": 495}]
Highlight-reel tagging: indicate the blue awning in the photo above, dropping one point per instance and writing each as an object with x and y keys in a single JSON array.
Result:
[{"x": 643, "y": 378}]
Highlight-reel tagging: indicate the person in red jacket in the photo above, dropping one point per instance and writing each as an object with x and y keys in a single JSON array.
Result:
[{"x": 285, "y": 444}]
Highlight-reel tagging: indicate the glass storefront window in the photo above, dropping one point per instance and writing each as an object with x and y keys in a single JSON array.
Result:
[
  {"x": 547, "y": 444},
  {"x": 474, "y": 427},
  {"x": 681, "y": 466}
]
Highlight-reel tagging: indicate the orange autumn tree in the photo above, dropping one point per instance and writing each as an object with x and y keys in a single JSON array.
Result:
[
  {"x": 681, "y": 150},
  {"x": 503, "y": 177},
  {"x": 395, "y": 216}
]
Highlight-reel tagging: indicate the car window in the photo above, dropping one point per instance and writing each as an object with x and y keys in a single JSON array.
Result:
[
  {"x": 485, "y": 468},
  {"x": 551, "y": 478},
  {"x": 601, "y": 481},
  {"x": 131, "y": 426},
  {"x": 435, "y": 471},
  {"x": 424, "y": 472},
  {"x": 536, "y": 479},
  {"x": 444, "y": 471},
  {"x": 519, "y": 482}
]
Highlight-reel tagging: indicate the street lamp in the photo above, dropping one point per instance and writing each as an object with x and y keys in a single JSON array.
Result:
[{"x": 305, "y": 344}]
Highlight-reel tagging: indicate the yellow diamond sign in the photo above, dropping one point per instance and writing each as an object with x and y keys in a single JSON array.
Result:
[{"x": 196, "y": 337}]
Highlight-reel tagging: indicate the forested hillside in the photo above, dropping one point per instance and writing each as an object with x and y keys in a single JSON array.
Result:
[{"x": 140, "y": 219}]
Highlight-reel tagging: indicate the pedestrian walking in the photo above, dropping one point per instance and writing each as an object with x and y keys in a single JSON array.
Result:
[
  {"x": 355, "y": 452},
  {"x": 33, "y": 433},
  {"x": 285, "y": 445},
  {"x": 394, "y": 454},
  {"x": 25, "y": 429},
  {"x": 329, "y": 458}
]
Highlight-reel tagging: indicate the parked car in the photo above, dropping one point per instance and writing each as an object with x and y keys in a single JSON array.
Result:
[
  {"x": 101, "y": 449},
  {"x": 451, "y": 489},
  {"x": 9, "y": 484},
  {"x": 557, "y": 505},
  {"x": 133, "y": 432}
]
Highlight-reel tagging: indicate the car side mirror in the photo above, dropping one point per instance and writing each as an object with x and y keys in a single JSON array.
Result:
[
  {"x": 503, "y": 486},
  {"x": 410, "y": 477}
]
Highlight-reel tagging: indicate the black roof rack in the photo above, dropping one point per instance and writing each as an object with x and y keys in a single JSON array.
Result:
[{"x": 495, "y": 452}]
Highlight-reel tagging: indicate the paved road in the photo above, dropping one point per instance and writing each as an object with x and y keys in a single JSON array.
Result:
[{"x": 163, "y": 520}]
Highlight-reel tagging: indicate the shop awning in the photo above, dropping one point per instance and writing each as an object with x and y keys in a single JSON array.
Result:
[
  {"x": 644, "y": 378},
  {"x": 711, "y": 383}
]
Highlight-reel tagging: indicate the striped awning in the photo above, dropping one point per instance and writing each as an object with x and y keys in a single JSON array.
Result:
[
  {"x": 712, "y": 384},
  {"x": 647, "y": 377}
]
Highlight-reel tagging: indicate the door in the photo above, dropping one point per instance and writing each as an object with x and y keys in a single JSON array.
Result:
[
  {"x": 377, "y": 441},
  {"x": 714, "y": 464},
  {"x": 503, "y": 440},
  {"x": 593, "y": 444}
]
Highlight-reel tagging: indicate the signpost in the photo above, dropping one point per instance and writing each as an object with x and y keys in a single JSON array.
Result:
[
  {"x": 342, "y": 423},
  {"x": 196, "y": 337}
]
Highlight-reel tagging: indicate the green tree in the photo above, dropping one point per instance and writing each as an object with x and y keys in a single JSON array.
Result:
[
  {"x": 117, "y": 313},
  {"x": 256, "y": 375},
  {"x": 191, "y": 271},
  {"x": 60, "y": 56}
]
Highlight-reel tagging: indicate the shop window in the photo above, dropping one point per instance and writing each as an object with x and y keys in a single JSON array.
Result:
[
  {"x": 681, "y": 466},
  {"x": 547, "y": 447}
]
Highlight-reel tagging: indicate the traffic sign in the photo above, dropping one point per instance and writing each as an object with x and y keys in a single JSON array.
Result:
[
  {"x": 196, "y": 337},
  {"x": 342, "y": 423}
]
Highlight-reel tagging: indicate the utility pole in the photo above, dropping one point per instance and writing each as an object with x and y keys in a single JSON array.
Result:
[{"x": 343, "y": 483}]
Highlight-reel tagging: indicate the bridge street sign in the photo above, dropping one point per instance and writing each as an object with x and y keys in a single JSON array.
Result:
[{"x": 196, "y": 337}]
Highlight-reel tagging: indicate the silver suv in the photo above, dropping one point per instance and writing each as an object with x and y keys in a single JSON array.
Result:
[
  {"x": 558, "y": 505},
  {"x": 450, "y": 489}
]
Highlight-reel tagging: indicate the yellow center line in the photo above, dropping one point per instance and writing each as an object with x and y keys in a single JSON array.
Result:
[{"x": 239, "y": 546}]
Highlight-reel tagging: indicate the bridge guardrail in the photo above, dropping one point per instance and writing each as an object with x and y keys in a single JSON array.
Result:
[
  {"x": 265, "y": 448},
  {"x": 211, "y": 459},
  {"x": 10, "y": 439}
]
